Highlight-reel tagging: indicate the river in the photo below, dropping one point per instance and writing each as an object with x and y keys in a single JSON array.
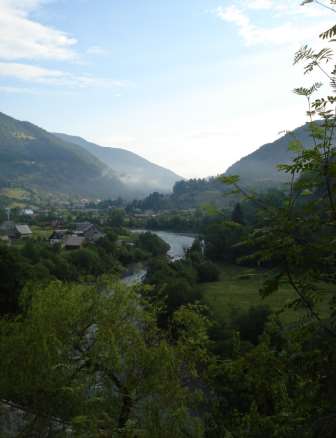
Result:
[{"x": 178, "y": 243}]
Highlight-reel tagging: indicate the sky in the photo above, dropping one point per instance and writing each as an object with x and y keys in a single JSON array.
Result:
[{"x": 192, "y": 85}]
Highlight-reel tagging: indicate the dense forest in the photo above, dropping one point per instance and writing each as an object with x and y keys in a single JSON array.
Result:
[{"x": 191, "y": 350}]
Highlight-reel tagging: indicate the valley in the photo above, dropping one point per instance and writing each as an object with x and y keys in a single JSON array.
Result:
[{"x": 191, "y": 299}]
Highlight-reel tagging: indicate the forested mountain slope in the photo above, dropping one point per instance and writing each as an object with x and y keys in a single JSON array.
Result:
[
  {"x": 260, "y": 167},
  {"x": 32, "y": 158},
  {"x": 134, "y": 171},
  {"x": 257, "y": 171}
]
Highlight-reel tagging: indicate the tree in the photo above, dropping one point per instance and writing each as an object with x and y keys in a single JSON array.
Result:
[
  {"x": 107, "y": 368},
  {"x": 207, "y": 271},
  {"x": 14, "y": 272},
  {"x": 237, "y": 215},
  {"x": 281, "y": 388},
  {"x": 296, "y": 238},
  {"x": 86, "y": 261},
  {"x": 152, "y": 244},
  {"x": 116, "y": 217},
  {"x": 221, "y": 238},
  {"x": 3, "y": 215}
]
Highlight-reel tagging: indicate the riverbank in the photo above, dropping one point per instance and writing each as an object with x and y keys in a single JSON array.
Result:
[{"x": 178, "y": 242}]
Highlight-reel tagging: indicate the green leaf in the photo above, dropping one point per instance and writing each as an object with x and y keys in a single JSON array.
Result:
[
  {"x": 80, "y": 420},
  {"x": 210, "y": 209},
  {"x": 270, "y": 285},
  {"x": 329, "y": 33},
  {"x": 302, "y": 91},
  {"x": 295, "y": 146},
  {"x": 229, "y": 180},
  {"x": 285, "y": 167}
]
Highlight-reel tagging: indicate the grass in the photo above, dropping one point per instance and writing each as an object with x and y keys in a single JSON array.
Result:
[
  {"x": 40, "y": 232},
  {"x": 16, "y": 194},
  {"x": 126, "y": 238},
  {"x": 238, "y": 287}
]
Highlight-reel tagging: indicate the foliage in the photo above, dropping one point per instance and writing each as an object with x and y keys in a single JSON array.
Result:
[
  {"x": 237, "y": 215},
  {"x": 207, "y": 271},
  {"x": 174, "y": 283},
  {"x": 14, "y": 272},
  {"x": 152, "y": 244},
  {"x": 221, "y": 238},
  {"x": 281, "y": 388},
  {"x": 187, "y": 194},
  {"x": 116, "y": 218},
  {"x": 106, "y": 365},
  {"x": 37, "y": 261}
]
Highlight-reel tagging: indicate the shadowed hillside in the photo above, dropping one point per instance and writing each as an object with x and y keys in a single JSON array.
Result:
[
  {"x": 134, "y": 171},
  {"x": 32, "y": 158},
  {"x": 260, "y": 167}
]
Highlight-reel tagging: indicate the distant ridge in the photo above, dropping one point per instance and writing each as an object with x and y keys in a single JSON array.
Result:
[
  {"x": 257, "y": 171},
  {"x": 32, "y": 158},
  {"x": 260, "y": 167},
  {"x": 134, "y": 171},
  {"x": 36, "y": 160}
]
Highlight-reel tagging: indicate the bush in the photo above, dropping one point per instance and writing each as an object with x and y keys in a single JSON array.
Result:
[
  {"x": 251, "y": 323},
  {"x": 86, "y": 261},
  {"x": 14, "y": 272},
  {"x": 207, "y": 272},
  {"x": 152, "y": 244}
]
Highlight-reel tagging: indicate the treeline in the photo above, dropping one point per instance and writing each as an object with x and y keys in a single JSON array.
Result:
[
  {"x": 37, "y": 262},
  {"x": 187, "y": 194}
]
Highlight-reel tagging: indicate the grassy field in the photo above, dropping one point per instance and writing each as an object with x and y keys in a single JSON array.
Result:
[
  {"x": 41, "y": 233},
  {"x": 238, "y": 287},
  {"x": 16, "y": 194}
]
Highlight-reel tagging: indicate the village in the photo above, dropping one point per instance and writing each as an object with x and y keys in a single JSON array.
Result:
[{"x": 73, "y": 237}]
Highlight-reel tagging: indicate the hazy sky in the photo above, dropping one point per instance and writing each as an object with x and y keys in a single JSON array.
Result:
[{"x": 192, "y": 85}]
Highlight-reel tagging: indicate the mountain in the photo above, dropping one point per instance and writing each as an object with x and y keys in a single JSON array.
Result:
[
  {"x": 36, "y": 160},
  {"x": 33, "y": 159},
  {"x": 257, "y": 171},
  {"x": 134, "y": 171},
  {"x": 260, "y": 167}
]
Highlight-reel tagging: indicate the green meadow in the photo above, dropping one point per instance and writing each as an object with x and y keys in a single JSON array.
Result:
[{"x": 238, "y": 288}]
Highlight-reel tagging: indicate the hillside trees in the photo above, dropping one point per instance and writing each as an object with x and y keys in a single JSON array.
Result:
[
  {"x": 221, "y": 238},
  {"x": 116, "y": 218},
  {"x": 107, "y": 367},
  {"x": 296, "y": 237},
  {"x": 14, "y": 271},
  {"x": 282, "y": 387},
  {"x": 152, "y": 244},
  {"x": 237, "y": 215}
]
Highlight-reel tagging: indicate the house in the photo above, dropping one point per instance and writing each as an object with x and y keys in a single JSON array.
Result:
[
  {"x": 27, "y": 212},
  {"x": 14, "y": 231},
  {"x": 57, "y": 223},
  {"x": 89, "y": 231},
  {"x": 58, "y": 237},
  {"x": 23, "y": 232},
  {"x": 73, "y": 242}
]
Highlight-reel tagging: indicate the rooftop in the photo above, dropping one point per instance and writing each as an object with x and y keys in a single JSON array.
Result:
[
  {"x": 74, "y": 241},
  {"x": 23, "y": 229}
]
